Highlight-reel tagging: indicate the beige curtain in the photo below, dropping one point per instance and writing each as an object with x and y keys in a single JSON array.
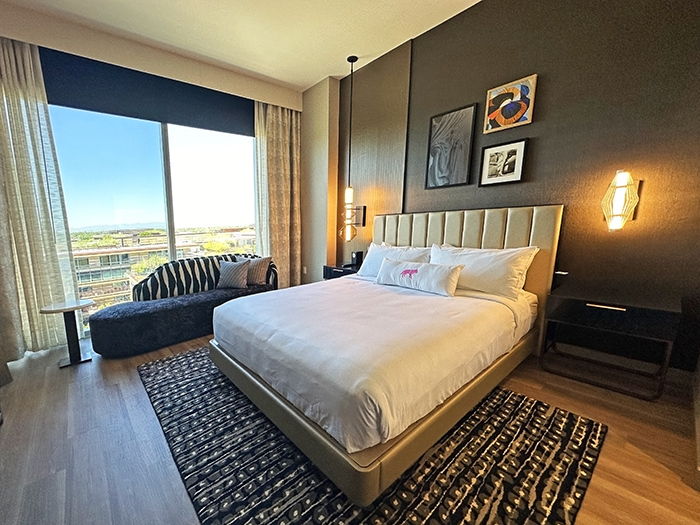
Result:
[
  {"x": 278, "y": 228},
  {"x": 36, "y": 260}
]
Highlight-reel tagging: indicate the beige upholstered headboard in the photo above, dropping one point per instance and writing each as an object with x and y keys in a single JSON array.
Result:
[{"x": 492, "y": 228}]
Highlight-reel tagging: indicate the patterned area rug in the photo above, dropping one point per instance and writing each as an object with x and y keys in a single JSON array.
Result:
[{"x": 512, "y": 460}]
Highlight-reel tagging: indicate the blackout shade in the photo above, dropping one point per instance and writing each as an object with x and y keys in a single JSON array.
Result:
[{"x": 83, "y": 83}]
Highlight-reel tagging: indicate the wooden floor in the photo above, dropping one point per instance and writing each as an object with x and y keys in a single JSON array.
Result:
[{"x": 82, "y": 445}]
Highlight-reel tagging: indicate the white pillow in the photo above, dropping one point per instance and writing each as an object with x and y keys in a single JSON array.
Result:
[
  {"x": 433, "y": 278},
  {"x": 375, "y": 256},
  {"x": 500, "y": 272}
]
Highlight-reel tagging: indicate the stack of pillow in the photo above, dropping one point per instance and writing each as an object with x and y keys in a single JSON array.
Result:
[{"x": 443, "y": 269}]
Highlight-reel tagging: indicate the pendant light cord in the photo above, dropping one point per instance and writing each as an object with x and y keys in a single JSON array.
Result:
[{"x": 352, "y": 59}]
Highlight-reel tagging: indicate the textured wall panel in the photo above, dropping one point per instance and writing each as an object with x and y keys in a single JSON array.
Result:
[{"x": 380, "y": 112}]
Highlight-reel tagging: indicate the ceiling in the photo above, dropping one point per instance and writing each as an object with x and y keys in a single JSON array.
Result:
[{"x": 292, "y": 43}]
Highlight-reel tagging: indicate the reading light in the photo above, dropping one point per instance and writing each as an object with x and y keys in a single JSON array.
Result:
[
  {"x": 352, "y": 215},
  {"x": 620, "y": 200}
]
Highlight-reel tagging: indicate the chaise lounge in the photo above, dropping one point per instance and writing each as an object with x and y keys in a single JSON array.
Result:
[{"x": 173, "y": 304}]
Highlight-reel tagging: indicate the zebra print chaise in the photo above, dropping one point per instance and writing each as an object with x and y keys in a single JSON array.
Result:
[{"x": 173, "y": 304}]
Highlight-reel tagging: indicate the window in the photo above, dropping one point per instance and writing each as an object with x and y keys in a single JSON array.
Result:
[
  {"x": 219, "y": 165},
  {"x": 114, "y": 177},
  {"x": 107, "y": 260}
]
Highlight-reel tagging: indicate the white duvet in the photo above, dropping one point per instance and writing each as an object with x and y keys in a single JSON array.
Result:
[{"x": 363, "y": 360}]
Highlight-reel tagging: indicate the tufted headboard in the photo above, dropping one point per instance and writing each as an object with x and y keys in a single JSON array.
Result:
[{"x": 489, "y": 228}]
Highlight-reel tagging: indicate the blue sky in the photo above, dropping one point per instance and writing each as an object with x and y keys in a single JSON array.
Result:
[{"x": 112, "y": 172}]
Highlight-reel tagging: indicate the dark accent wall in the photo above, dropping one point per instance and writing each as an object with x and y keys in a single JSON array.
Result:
[
  {"x": 380, "y": 109},
  {"x": 618, "y": 88},
  {"x": 83, "y": 83}
]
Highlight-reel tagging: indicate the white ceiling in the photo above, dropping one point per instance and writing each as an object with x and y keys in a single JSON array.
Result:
[{"x": 293, "y": 43}]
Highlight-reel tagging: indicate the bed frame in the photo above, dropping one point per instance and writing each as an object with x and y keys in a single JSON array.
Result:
[{"x": 364, "y": 475}]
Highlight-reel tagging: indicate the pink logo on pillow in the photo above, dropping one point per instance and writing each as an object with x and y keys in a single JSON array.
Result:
[{"x": 409, "y": 273}]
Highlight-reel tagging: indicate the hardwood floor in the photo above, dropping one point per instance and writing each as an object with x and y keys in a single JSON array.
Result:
[{"x": 82, "y": 445}]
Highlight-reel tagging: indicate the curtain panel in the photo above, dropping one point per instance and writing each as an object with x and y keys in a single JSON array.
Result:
[
  {"x": 36, "y": 258},
  {"x": 278, "y": 208}
]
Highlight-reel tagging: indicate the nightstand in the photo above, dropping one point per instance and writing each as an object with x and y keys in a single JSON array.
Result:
[
  {"x": 593, "y": 331},
  {"x": 331, "y": 272}
]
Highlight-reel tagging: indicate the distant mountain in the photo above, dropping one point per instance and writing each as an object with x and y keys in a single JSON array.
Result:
[{"x": 116, "y": 227}]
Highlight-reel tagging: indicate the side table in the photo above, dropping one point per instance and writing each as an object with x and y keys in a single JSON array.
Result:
[
  {"x": 331, "y": 272},
  {"x": 603, "y": 321},
  {"x": 68, "y": 309}
]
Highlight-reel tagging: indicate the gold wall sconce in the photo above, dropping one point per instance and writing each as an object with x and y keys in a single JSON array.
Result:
[{"x": 620, "y": 200}]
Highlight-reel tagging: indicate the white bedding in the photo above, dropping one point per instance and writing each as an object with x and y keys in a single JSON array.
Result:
[{"x": 363, "y": 360}]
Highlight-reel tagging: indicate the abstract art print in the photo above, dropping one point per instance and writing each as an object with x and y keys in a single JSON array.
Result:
[
  {"x": 510, "y": 105},
  {"x": 502, "y": 163},
  {"x": 449, "y": 150}
]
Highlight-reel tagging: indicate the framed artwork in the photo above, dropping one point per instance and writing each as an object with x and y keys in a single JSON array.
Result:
[
  {"x": 502, "y": 163},
  {"x": 510, "y": 105},
  {"x": 449, "y": 148}
]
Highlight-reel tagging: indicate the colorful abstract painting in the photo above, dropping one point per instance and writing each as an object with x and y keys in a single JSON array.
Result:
[{"x": 510, "y": 105}]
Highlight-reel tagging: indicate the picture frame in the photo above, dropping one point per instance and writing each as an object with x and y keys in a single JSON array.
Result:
[
  {"x": 502, "y": 163},
  {"x": 449, "y": 148},
  {"x": 510, "y": 105}
]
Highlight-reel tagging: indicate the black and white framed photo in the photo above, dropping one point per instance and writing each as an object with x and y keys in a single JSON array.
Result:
[
  {"x": 450, "y": 147},
  {"x": 502, "y": 163}
]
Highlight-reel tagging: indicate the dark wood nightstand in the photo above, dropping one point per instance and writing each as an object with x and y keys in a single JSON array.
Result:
[
  {"x": 331, "y": 272},
  {"x": 586, "y": 327}
]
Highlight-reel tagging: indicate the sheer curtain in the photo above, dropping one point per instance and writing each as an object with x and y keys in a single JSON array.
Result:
[
  {"x": 35, "y": 252},
  {"x": 278, "y": 228}
]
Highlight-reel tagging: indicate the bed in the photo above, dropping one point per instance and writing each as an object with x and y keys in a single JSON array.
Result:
[{"x": 260, "y": 342}]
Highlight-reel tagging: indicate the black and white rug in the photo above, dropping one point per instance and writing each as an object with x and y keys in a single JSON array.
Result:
[{"x": 512, "y": 460}]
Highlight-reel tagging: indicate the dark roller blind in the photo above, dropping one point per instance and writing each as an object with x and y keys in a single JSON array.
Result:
[{"x": 83, "y": 83}]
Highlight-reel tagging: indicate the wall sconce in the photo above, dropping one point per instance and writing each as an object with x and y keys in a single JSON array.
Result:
[
  {"x": 620, "y": 200},
  {"x": 352, "y": 215}
]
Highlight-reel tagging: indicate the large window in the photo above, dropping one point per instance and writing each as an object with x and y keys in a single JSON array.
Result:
[
  {"x": 114, "y": 181},
  {"x": 219, "y": 166}
]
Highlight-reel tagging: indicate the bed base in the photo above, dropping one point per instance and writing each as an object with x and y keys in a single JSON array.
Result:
[{"x": 364, "y": 475}]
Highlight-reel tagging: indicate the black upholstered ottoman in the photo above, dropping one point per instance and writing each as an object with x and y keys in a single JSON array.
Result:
[{"x": 127, "y": 329}]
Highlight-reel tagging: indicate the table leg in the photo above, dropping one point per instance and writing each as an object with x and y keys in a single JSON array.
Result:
[
  {"x": 74, "y": 356},
  {"x": 696, "y": 413}
]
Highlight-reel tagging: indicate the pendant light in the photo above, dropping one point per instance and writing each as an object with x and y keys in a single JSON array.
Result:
[{"x": 350, "y": 212}]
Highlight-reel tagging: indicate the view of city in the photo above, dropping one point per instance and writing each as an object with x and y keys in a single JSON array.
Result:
[
  {"x": 109, "y": 263},
  {"x": 114, "y": 182}
]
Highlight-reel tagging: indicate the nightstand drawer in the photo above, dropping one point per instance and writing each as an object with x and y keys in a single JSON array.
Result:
[{"x": 331, "y": 272}]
